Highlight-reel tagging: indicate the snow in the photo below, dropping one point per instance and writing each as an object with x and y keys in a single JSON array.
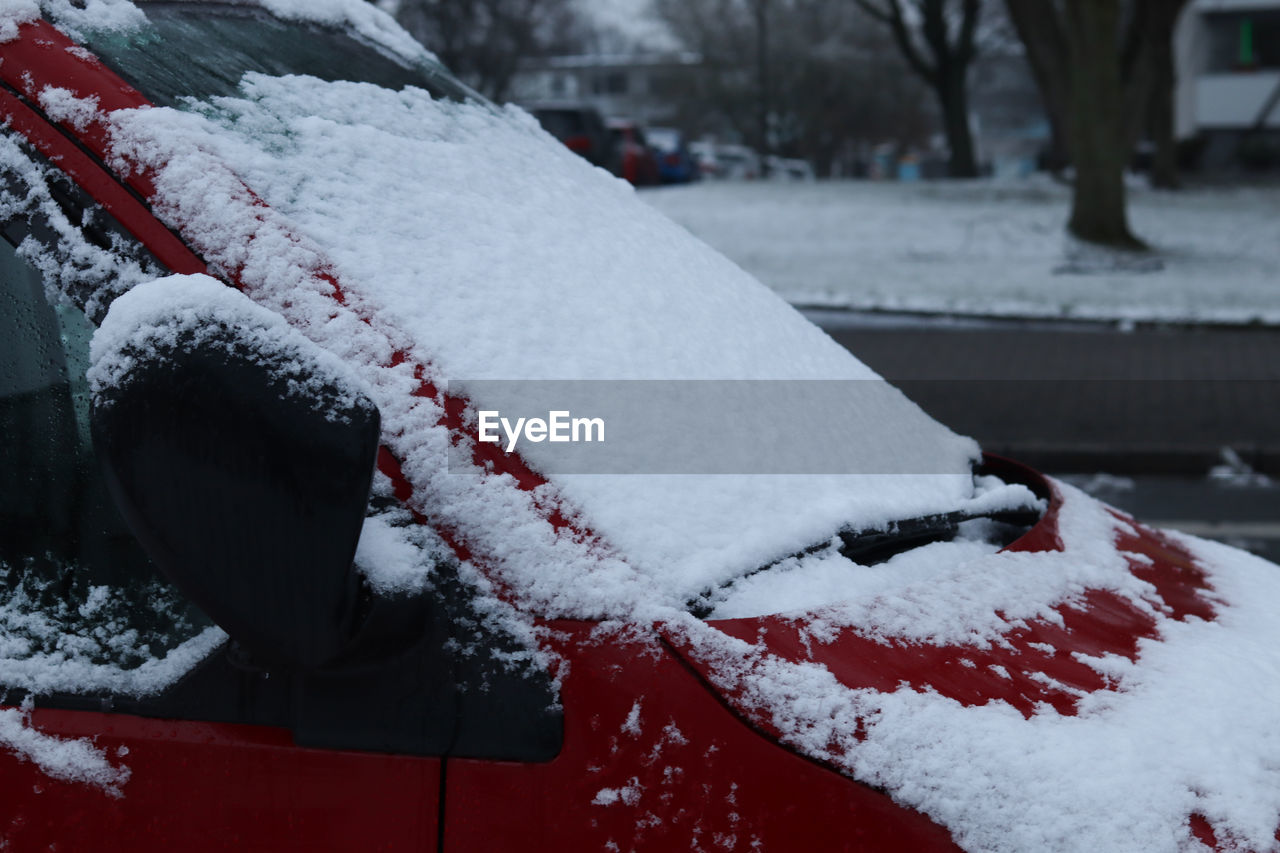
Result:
[
  {"x": 805, "y": 584},
  {"x": 1186, "y": 729},
  {"x": 1235, "y": 472},
  {"x": 396, "y": 555},
  {"x": 76, "y": 271},
  {"x": 66, "y": 759},
  {"x": 990, "y": 248},
  {"x": 62, "y": 105},
  {"x": 160, "y": 317},
  {"x": 489, "y": 267},
  {"x": 52, "y": 647},
  {"x": 368, "y": 20},
  {"x": 13, "y": 13},
  {"x": 961, "y": 592}
]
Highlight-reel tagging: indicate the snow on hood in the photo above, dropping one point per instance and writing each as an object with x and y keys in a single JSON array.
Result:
[
  {"x": 1186, "y": 726},
  {"x": 492, "y": 252}
]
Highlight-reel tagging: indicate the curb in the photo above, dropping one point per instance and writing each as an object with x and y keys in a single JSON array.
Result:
[{"x": 1171, "y": 460}]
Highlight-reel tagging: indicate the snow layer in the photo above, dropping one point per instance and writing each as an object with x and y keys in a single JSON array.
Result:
[
  {"x": 488, "y": 250},
  {"x": 50, "y": 643},
  {"x": 76, "y": 271},
  {"x": 67, "y": 759},
  {"x": 154, "y": 319},
  {"x": 990, "y": 248},
  {"x": 1188, "y": 727}
]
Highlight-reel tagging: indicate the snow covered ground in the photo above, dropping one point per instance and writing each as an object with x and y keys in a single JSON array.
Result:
[{"x": 991, "y": 248}]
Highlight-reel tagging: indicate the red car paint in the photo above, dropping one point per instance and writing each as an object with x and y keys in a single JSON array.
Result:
[
  {"x": 206, "y": 786},
  {"x": 719, "y": 778}
]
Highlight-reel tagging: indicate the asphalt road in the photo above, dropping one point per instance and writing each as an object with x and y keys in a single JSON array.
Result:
[
  {"x": 1155, "y": 406},
  {"x": 1086, "y": 397}
]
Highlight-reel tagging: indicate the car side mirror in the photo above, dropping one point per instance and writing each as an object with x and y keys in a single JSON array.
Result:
[{"x": 241, "y": 456}]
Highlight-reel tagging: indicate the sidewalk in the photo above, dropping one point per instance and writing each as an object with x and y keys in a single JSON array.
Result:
[{"x": 1064, "y": 399}]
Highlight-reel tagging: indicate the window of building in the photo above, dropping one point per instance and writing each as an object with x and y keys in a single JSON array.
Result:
[{"x": 1244, "y": 41}]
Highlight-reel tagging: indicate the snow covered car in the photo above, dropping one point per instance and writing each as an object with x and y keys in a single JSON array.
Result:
[{"x": 277, "y": 575}]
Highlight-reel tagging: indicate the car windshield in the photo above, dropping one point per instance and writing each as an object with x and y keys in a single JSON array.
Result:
[
  {"x": 190, "y": 50},
  {"x": 507, "y": 266},
  {"x": 664, "y": 138}
]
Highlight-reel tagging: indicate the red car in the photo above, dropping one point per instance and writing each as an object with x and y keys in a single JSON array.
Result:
[
  {"x": 579, "y": 127},
  {"x": 290, "y": 560},
  {"x": 633, "y": 159}
]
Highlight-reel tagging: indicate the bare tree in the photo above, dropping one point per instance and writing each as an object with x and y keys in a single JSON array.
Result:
[
  {"x": 937, "y": 39},
  {"x": 1153, "y": 80},
  {"x": 484, "y": 41},
  {"x": 801, "y": 78},
  {"x": 1105, "y": 69}
]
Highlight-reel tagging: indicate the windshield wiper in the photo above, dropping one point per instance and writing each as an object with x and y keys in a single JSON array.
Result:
[{"x": 871, "y": 547}]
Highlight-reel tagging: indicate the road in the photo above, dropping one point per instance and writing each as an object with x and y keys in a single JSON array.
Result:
[
  {"x": 1155, "y": 405},
  {"x": 1085, "y": 397}
]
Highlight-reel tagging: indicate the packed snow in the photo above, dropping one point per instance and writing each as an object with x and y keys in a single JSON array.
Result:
[
  {"x": 519, "y": 272},
  {"x": 992, "y": 248},
  {"x": 1188, "y": 727}
]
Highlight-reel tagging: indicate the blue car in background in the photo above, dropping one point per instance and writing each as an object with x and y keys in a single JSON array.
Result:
[{"x": 676, "y": 164}]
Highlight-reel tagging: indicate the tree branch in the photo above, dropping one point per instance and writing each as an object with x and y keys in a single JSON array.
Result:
[{"x": 902, "y": 35}]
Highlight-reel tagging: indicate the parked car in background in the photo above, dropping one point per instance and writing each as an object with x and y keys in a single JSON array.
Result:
[
  {"x": 788, "y": 168},
  {"x": 726, "y": 161},
  {"x": 578, "y": 126},
  {"x": 633, "y": 159},
  {"x": 676, "y": 163}
]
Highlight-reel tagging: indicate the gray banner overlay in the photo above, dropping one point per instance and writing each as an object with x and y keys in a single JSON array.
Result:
[{"x": 708, "y": 427}]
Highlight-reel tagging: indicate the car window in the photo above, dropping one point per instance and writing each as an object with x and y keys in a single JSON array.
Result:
[
  {"x": 561, "y": 123},
  {"x": 204, "y": 50},
  {"x": 74, "y": 584},
  {"x": 663, "y": 138}
]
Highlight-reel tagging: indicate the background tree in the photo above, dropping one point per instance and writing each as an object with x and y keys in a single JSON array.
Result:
[
  {"x": 937, "y": 38},
  {"x": 800, "y": 78},
  {"x": 1105, "y": 71},
  {"x": 484, "y": 41}
]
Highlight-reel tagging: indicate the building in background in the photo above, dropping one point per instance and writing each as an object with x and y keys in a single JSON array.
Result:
[
  {"x": 642, "y": 86},
  {"x": 1228, "y": 91}
]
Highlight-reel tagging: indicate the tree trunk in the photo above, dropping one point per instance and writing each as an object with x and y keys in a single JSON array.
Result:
[
  {"x": 1164, "y": 161},
  {"x": 1097, "y": 125},
  {"x": 1164, "y": 79},
  {"x": 953, "y": 98},
  {"x": 1041, "y": 34}
]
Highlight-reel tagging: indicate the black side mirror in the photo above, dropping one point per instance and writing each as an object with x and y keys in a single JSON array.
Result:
[{"x": 241, "y": 459}]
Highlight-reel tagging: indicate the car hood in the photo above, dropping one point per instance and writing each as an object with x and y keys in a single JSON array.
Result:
[{"x": 1097, "y": 685}]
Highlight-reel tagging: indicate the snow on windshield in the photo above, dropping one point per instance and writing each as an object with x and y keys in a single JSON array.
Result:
[
  {"x": 78, "y": 17},
  {"x": 495, "y": 253}
]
